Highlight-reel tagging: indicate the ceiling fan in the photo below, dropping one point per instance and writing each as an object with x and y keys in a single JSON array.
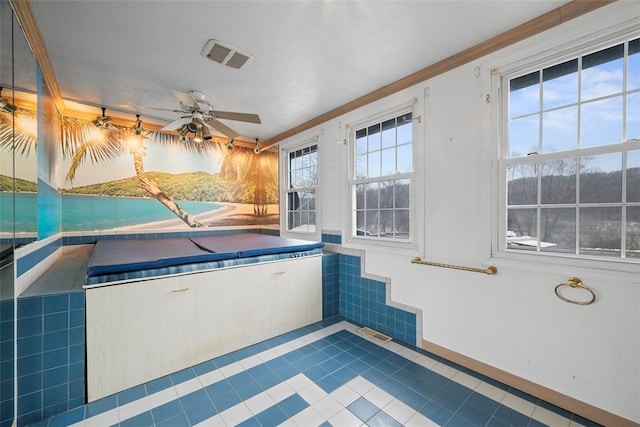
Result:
[{"x": 199, "y": 116}]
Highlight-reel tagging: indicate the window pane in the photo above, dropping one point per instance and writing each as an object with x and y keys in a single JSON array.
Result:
[
  {"x": 633, "y": 115},
  {"x": 633, "y": 176},
  {"x": 293, "y": 201},
  {"x": 601, "y": 122},
  {"x": 361, "y": 166},
  {"x": 560, "y": 85},
  {"x": 602, "y": 73},
  {"x": 387, "y": 195},
  {"x": 600, "y": 231},
  {"x": 558, "y": 230},
  {"x": 560, "y": 130},
  {"x": 402, "y": 194},
  {"x": 371, "y": 223},
  {"x": 524, "y": 95},
  {"x": 360, "y": 190},
  {"x": 374, "y": 137},
  {"x": 372, "y": 195},
  {"x": 521, "y": 228},
  {"x": 633, "y": 232},
  {"x": 360, "y": 227},
  {"x": 389, "y": 133},
  {"x": 388, "y": 161},
  {"x": 405, "y": 158},
  {"x": 524, "y": 136},
  {"x": 559, "y": 182},
  {"x": 402, "y": 224},
  {"x": 601, "y": 178},
  {"x": 405, "y": 130},
  {"x": 634, "y": 65},
  {"x": 361, "y": 141},
  {"x": 522, "y": 185},
  {"x": 386, "y": 223},
  {"x": 373, "y": 167}
]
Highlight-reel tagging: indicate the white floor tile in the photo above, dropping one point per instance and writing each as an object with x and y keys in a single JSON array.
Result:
[
  {"x": 236, "y": 414},
  {"x": 425, "y": 361},
  {"x": 259, "y": 402},
  {"x": 211, "y": 377},
  {"x": 360, "y": 385},
  {"x": 281, "y": 391},
  {"x": 419, "y": 420},
  {"x": 345, "y": 418},
  {"x": 327, "y": 407},
  {"x": 550, "y": 418},
  {"x": 187, "y": 387},
  {"x": 250, "y": 362},
  {"x": 466, "y": 380},
  {"x": 215, "y": 421},
  {"x": 231, "y": 369},
  {"x": 399, "y": 411},
  {"x": 444, "y": 370},
  {"x": 491, "y": 391},
  {"x": 312, "y": 394},
  {"x": 308, "y": 417},
  {"x": 132, "y": 409},
  {"x": 518, "y": 404},
  {"x": 299, "y": 382},
  {"x": 378, "y": 397},
  {"x": 345, "y": 395}
]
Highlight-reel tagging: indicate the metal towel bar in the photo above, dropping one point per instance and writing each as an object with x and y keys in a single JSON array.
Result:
[{"x": 488, "y": 270}]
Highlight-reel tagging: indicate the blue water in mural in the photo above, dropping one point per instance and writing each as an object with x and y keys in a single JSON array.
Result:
[{"x": 86, "y": 213}]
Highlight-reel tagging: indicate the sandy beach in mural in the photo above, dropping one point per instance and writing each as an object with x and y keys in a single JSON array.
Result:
[{"x": 229, "y": 215}]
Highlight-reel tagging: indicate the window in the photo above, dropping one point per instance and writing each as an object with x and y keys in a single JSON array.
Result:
[
  {"x": 571, "y": 166},
  {"x": 302, "y": 167},
  {"x": 382, "y": 178}
]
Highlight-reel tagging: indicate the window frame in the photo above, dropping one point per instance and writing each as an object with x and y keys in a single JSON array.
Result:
[
  {"x": 500, "y": 90},
  {"x": 414, "y": 243},
  {"x": 285, "y": 182}
]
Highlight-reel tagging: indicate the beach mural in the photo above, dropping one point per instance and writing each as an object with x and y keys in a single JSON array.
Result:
[
  {"x": 18, "y": 158},
  {"x": 112, "y": 177}
]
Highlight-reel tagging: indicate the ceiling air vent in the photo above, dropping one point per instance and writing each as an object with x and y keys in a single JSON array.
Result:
[{"x": 226, "y": 55}]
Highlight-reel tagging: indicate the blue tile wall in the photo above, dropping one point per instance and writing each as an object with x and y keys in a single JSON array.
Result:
[
  {"x": 363, "y": 301},
  {"x": 332, "y": 238},
  {"x": 330, "y": 285},
  {"x": 6, "y": 362},
  {"x": 32, "y": 259},
  {"x": 50, "y": 359}
]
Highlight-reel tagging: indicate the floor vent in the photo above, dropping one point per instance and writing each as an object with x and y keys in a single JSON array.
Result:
[{"x": 375, "y": 334}]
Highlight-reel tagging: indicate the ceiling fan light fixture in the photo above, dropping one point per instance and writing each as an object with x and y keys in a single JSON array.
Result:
[
  {"x": 230, "y": 144},
  {"x": 205, "y": 133},
  {"x": 192, "y": 127},
  {"x": 198, "y": 136},
  {"x": 227, "y": 55}
]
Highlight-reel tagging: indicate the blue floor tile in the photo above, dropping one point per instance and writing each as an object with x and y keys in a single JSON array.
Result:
[
  {"x": 381, "y": 419},
  {"x": 292, "y": 405},
  {"x": 363, "y": 409},
  {"x": 143, "y": 420},
  {"x": 166, "y": 411}
]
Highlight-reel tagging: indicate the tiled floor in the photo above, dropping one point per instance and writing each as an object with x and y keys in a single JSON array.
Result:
[{"x": 324, "y": 374}]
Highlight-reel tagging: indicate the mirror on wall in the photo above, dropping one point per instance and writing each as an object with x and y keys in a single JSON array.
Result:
[{"x": 18, "y": 182}]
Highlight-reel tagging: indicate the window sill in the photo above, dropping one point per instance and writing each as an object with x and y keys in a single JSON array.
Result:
[
  {"x": 404, "y": 249},
  {"x": 618, "y": 270}
]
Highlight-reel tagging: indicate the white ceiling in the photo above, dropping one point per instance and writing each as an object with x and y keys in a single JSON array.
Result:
[{"x": 310, "y": 56}]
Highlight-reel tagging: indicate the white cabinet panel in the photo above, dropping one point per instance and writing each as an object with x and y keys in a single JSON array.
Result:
[{"x": 140, "y": 331}]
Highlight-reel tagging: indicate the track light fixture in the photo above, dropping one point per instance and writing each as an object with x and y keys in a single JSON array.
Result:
[
  {"x": 137, "y": 128},
  {"x": 5, "y": 105},
  {"x": 101, "y": 121},
  {"x": 258, "y": 148},
  {"x": 230, "y": 144}
]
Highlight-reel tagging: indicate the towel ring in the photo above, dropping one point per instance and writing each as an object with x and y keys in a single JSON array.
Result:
[{"x": 574, "y": 282}]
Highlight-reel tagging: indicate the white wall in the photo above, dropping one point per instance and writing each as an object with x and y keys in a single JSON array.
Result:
[{"x": 512, "y": 321}]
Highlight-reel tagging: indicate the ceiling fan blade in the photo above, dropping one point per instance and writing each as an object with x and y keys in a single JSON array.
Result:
[
  {"x": 222, "y": 128},
  {"x": 186, "y": 99},
  {"x": 177, "y": 123},
  {"x": 241, "y": 117}
]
